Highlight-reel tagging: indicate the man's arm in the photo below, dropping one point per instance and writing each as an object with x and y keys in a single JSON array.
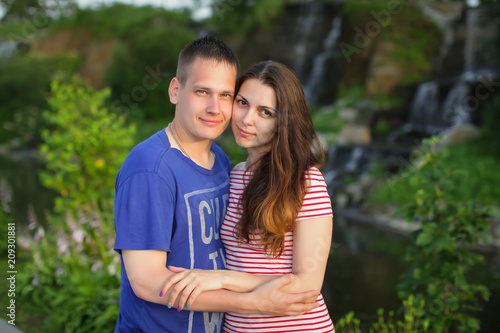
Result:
[{"x": 147, "y": 274}]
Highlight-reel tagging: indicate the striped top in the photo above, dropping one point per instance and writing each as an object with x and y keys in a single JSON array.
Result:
[{"x": 250, "y": 258}]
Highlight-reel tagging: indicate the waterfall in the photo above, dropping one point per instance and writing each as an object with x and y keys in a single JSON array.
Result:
[
  {"x": 471, "y": 40},
  {"x": 354, "y": 164},
  {"x": 312, "y": 88},
  {"x": 424, "y": 108},
  {"x": 307, "y": 19},
  {"x": 455, "y": 109},
  {"x": 430, "y": 115}
]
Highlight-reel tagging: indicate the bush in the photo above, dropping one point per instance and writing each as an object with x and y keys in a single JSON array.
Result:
[
  {"x": 440, "y": 254},
  {"x": 72, "y": 278},
  {"x": 413, "y": 320}
]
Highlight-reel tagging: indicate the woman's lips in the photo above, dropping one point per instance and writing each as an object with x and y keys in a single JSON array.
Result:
[{"x": 244, "y": 133}]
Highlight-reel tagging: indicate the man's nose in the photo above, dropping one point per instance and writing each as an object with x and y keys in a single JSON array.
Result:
[{"x": 214, "y": 105}]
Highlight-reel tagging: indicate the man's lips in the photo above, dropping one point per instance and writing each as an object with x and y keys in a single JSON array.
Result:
[{"x": 210, "y": 122}]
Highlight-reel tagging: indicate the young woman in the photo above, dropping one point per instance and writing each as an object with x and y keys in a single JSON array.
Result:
[{"x": 279, "y": 219}]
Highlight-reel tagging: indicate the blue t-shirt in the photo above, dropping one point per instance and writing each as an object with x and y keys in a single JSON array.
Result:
[{"x": 165, "y": 201}]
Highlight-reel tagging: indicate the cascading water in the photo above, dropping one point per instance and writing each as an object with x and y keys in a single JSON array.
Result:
[
  {"x": 455, "y": 111},
  {"x": 312, "y": 89},
  {"x": 425, "y": 106},
  {"x": 471, "y": 40},
  {"x": 429, "y": 114},
  {"x": 304, "y": 31}
]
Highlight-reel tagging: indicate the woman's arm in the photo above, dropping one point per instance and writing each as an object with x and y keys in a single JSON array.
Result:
[
  {"x": 312, "y": 240},
  {"x": 311, "y": 247}
]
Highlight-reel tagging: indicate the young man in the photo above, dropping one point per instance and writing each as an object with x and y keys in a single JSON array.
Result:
[{"x": 171, "y": 197}]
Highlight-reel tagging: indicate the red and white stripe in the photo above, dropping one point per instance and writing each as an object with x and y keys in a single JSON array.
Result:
[{"x": 250, "y": 258}]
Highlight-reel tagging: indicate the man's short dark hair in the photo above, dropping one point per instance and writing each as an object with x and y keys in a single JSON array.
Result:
[{"x": 209, "y": 48}]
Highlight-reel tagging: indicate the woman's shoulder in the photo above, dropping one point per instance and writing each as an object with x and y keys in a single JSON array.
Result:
[
  {"x": 314, "y": 171},
  {"x": 314, "y": 176},
  {"x": 242, "y": 166}
]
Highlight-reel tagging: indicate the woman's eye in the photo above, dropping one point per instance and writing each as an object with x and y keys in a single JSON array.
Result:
[
  {"x": 266, "y": 113},
  {"x": 241, "y": 102}
]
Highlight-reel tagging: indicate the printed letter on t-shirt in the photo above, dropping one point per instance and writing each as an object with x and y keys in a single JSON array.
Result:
[
  {"x": 213, "y": 324},
  {"x": 206, "y": 239}
]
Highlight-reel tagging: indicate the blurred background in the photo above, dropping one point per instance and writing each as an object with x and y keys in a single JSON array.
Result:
[{"x": 405, "y": 96}]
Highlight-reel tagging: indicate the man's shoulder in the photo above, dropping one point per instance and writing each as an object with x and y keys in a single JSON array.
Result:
[{"x": 145, "y": 157}]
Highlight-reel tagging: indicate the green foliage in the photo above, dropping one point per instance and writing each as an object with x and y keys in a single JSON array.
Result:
[
  {"x": 440, "y": 253},
  {"x": 413, "y": 320},
  {"x": 123, "y": 21},
  {"x": 73, "y": 275},
  {"x": 146, "y": 59},
  {"x": 29, "y": 9},
  {"x": 84, "y": 146},
  {"x": 475, "y": 159},
  {"x": 404, "y": 28},
  {"x": 475, "y": 179},
  {"x": 356, "y": 10},
  {"x": 328, "y": 120},
  {"x": 24, "y": 83},
  {"x": 242, "y": 16},
  {"x": 348, "y": 324},
  {"x": 141, "y": 70},
  {"x": 72, "y": 280}
]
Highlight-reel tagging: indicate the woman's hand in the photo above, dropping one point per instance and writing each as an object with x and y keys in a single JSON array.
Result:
[{"x": 183, "y": 288}]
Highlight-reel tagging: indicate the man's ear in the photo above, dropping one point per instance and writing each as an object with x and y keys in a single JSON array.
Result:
[{"x": 173, "y": 90}]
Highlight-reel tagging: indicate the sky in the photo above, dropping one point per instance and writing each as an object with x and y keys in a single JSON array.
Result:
[{"x": 203, "y": 10}]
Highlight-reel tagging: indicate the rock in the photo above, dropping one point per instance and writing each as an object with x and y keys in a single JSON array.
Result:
[
  {"x": 349, "y": 115},
  {"x": 384, "y": 75},
  {"x": 355, "y": 134},
  {"x": 341, "y": 200},
  {"x": 356, "y": 192},
  {"x": 460, "y": 133}
]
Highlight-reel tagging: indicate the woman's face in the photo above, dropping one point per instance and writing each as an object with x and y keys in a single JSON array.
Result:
[{"x": 254, "y": 116}]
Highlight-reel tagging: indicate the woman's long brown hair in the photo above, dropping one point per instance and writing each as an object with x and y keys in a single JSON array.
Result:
[{"x": 273, "y": 198}]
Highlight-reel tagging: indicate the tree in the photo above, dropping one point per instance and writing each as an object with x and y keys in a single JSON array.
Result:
[{"x": 28, "y": 9}]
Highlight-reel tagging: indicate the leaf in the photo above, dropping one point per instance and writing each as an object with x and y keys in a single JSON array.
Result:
[{"x": 424, "y": 239}]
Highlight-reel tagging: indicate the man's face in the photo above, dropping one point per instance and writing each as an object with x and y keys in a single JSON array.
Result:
[{"x": 204, "y": 103}]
